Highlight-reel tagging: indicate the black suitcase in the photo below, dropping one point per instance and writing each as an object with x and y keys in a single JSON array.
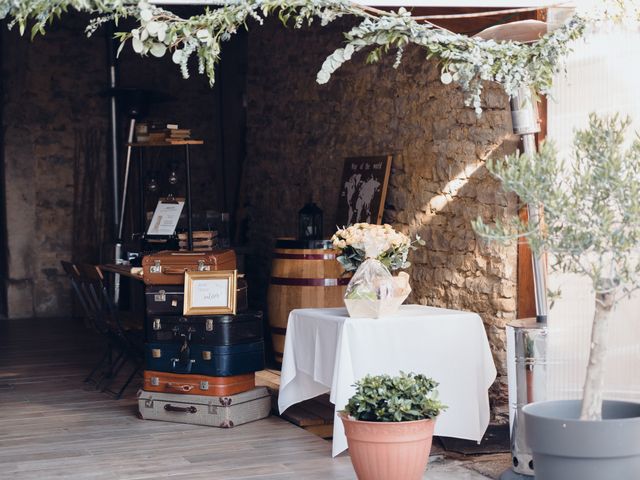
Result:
[
  {"x": 216, "y": 361},
  {"x": 209, "y": 329},
  {"x": 169, "y": 299}
]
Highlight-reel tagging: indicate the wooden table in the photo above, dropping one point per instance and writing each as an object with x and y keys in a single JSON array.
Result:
[{"x": 124, "y": 270}]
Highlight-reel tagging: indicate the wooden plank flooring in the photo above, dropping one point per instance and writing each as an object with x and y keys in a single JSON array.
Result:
[{"x": 52, "y": 426}]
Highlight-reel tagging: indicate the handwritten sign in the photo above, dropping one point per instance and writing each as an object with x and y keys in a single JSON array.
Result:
[{"x": 210, "y": 293}]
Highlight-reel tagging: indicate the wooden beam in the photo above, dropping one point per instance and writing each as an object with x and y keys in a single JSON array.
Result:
[{"x": 471, "y": 25}]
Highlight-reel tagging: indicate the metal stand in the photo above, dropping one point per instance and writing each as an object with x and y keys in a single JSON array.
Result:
[
  {"x": 142, "y": 212},
  {"x": 526, "y": 339},
  {"x": 187, "y": 163}
]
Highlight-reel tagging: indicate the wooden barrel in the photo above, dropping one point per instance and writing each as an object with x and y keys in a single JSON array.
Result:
[{"x": 304, "y": 274}]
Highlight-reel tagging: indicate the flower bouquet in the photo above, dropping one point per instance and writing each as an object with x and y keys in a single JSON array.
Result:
[{"x": 373, "y": 251}]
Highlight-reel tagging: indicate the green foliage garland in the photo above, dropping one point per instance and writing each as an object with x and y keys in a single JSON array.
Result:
[{"x": 465, "y": 60}]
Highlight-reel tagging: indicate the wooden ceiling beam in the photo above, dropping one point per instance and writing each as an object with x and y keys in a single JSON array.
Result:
[{"x": 472, "y": 25}]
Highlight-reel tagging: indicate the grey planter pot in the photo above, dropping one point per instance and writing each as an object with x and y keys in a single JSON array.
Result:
[{"x": 565, "y": 448}]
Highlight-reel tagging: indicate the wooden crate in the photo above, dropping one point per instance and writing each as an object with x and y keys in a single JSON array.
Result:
[{"x": 315, "y": 415}]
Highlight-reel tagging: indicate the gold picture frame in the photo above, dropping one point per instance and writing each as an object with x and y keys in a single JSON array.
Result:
[{"x": 210, "y": 293}]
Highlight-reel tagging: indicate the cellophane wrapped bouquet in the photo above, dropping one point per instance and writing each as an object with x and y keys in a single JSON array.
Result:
[{"x": 373, "y": 252}]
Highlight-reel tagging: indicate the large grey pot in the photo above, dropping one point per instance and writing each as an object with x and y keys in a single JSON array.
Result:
[{"x": 566, "y": 448}]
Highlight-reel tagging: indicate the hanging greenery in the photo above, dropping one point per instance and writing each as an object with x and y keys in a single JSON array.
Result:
[{"x": 465, "y": 60}]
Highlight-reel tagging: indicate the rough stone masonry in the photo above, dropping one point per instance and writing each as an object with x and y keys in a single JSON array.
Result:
[{"x": 299, "y": 133}]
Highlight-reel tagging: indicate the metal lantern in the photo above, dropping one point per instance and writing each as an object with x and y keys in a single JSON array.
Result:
[{"x": 310, "y": 222}]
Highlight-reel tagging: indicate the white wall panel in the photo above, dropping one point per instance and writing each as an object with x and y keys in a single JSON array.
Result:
[{"x": 602, "y": 76}]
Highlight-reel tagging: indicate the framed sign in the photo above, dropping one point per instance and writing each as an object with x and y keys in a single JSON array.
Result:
[
  {"x": 363, "y": 190},
  {"x": 210, "y": 293}
]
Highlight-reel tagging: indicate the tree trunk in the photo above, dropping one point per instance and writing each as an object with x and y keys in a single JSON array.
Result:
[{"x": 594, "y": 381}]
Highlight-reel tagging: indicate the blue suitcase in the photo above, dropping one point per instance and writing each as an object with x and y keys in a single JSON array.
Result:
[
  {"x": 212, "y": 360},
  {"x": 205, "y": 329}
]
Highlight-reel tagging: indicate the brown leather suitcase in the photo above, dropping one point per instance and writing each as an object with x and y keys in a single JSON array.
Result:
[
  {"x": 167, "y": 267},
  {"x": 198, "y": 384}
]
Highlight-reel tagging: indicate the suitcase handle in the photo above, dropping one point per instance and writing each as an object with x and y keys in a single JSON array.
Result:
[
  {"x": 171, "y": 408},
  {"x": 173, "y": 271},
  {"x": 187, "y": 366},
  {"x": 202, "y": 267},
  {"x": 180, "y": 388}
]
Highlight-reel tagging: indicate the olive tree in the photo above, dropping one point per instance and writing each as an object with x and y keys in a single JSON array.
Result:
[{"x": 590, "y": 226}]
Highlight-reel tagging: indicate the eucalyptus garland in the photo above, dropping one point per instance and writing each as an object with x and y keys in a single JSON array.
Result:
[{"x": 464, "y": 60}]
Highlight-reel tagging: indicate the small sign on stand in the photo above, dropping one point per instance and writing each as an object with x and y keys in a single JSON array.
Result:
[
  {"x": 210, "y": 293},
  {"x": 166, "y": 217}
]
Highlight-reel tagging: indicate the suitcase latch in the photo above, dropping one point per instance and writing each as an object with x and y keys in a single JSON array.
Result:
[
  {"x": 148, "y": 403},
  {"x": 156, "y": 353},
  {"x": 156, "y": 267},
  {"x": 202, "y": 267},
  {"x": 206, "y": 355},
  {"x": 209, "y": 325},
  {"x": 204, "y": 385},
  {"x": 213, "y": 409},
  {"x": 155, "y": 381},
  {"x": 161, "y": 296},
  {"x": 156, "y": 324}
]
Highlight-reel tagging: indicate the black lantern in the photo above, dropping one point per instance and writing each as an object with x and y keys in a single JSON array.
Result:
[{"x": 310, "y": 222}]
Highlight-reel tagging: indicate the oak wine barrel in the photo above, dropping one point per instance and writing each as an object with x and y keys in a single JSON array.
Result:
[{"x": 304, "y": 274}]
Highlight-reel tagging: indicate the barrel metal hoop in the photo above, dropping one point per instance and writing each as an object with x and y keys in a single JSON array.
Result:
[
  {"x": 310, "y": 282},
  {"x": 305, "y": 256}
]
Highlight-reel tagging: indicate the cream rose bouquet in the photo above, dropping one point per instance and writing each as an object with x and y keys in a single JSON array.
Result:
[
  {"x": 364, "y": 240},
  {"x": 373, "y": 251}
]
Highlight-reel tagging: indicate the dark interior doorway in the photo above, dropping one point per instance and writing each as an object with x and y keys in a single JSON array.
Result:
[{"x": 3, "y": 213}]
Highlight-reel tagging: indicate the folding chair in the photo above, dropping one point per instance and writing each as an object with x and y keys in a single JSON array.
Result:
[
  {"x": 74, "y": 276},
  {"x": 90, "y": 299},
  {"x": 126, "y": 335}
]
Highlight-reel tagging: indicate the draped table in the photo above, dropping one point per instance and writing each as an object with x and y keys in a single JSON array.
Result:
[{"x": 326, "y": 350}]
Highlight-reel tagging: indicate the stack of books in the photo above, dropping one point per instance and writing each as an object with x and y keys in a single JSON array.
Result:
[
  {"x": 203, "y": 241},
  {"x": 161, "y": 132},
  {"x": 178, "y": 134}
]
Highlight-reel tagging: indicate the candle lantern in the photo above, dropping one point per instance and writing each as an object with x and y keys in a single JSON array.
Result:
[{"x": 310, "y": 222}]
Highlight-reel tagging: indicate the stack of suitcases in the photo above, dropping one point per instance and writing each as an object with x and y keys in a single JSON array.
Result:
[{"x": 199, "y": 369}]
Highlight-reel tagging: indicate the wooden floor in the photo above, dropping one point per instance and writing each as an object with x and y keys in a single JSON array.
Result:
[{"x": 52, "y": 426}]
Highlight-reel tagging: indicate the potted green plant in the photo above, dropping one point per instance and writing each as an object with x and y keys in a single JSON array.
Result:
[
  {"x": 591, "y": 226},
  {"x": 389, "y": 425}
]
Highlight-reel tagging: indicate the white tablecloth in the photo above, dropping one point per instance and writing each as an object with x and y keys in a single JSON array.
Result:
[{"x": 326, "y": 350}]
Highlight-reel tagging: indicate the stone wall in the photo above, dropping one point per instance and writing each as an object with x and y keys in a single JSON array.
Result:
[
  {"x": 55, "y": 113},
  {"x": 298, "y": 134},
  {"x": 50, "y": 97}
]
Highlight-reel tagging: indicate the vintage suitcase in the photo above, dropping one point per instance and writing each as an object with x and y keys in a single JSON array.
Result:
[
  {"x": 205, "y": 329},
  {"x": 198, "y": 384},
  {"x": 168, "y": 267},
  {"x": 216, "y": 361},
  {"x": 225, "y": 412},
  {"x": 169, "y": 299}
]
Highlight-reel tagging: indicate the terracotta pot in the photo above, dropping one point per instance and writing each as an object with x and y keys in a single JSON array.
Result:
[{"x": 389, "y": 450}]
